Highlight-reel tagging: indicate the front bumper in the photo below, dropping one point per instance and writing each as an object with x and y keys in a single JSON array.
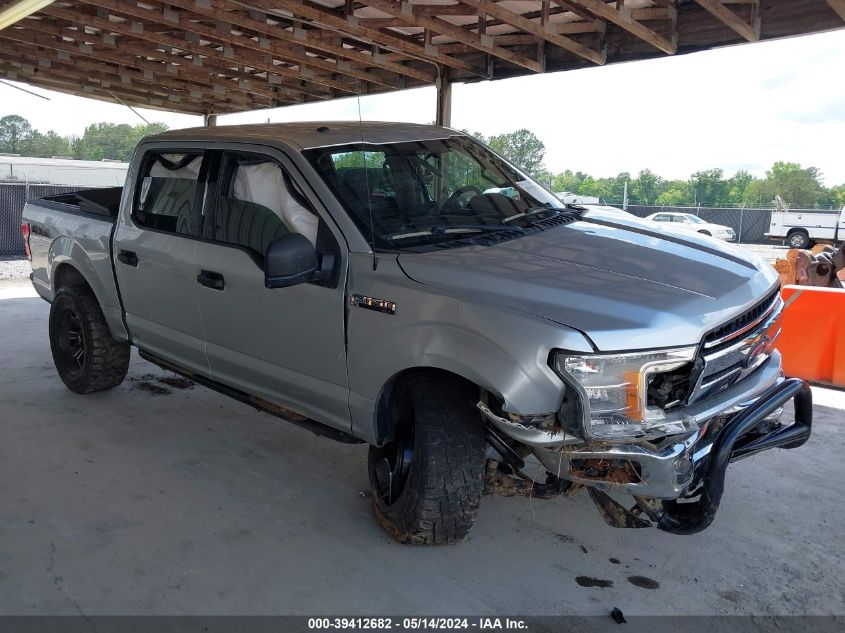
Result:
[{"x": 678, "y": 483}]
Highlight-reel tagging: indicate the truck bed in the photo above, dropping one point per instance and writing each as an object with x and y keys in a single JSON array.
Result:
[
  {"x": 76, "y": 227},
  {"x": 102, "y": 202}
]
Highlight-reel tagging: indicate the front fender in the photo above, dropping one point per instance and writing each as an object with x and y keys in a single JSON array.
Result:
[{"x": 501, "y": 350}]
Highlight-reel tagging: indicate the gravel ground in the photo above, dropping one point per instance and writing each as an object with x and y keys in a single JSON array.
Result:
[
  {"x": 769, "y": 252},
  {"x": 14, "y": 269}
]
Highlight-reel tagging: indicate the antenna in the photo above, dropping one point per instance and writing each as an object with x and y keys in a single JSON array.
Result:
[
  {"x": 128, "y": 106},
  {"x": 367, "y": 182},
  {"x": 29, "y": 92}
]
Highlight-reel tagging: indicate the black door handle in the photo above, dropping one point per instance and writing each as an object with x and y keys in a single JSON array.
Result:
[
  {"x": 211, "y": 279},
  {"x": 128, "y": 257}
]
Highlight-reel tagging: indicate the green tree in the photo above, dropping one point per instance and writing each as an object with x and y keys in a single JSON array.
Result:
[
  {"x": 837, "y": 195},
  {"x": 568, "y": 181},
  {"x": 112, "y": 141},
  {"x": 14, "y": 133},
  {"x": 708, "y": 187},
  {"x": 737, "y": 185},
  {"x": 523, "y": 149},
  {"x": 646, "y": 187},
  {"x": 46, "y": 145},
  {"x": 678, "y": 193},
  {"x": 800, "y": 187}
]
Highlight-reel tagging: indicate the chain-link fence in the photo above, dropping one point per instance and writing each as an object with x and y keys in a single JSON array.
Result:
[
  {"x": 750, "y": 225},
  {"x": 13, "y": 197}
]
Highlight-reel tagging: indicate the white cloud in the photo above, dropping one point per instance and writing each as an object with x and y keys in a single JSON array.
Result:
[{"x": 741, "y": 107}]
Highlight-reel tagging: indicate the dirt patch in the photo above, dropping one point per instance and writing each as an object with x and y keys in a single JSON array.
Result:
[
  {"x": 643, "y": 582},
  {"x": 177, "y": 382},
  {"x": 159, "y": 385},
  {"x": 587, "y": 581},
  {"x": 151, "y": 387}
]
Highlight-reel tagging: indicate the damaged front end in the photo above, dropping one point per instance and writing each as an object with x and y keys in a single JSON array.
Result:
[
  {"x": 661, "y": 427},
  {"x": 676, "y": 484}
]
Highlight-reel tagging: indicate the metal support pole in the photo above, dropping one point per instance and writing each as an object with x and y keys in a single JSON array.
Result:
[
  {"x": 739, "y": 236},
  {"x": 209, "y": 120},
  {"x": 444, "y": 99}
]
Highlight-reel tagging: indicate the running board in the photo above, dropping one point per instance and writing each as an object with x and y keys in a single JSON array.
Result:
[{"x": 317, "y": 428}]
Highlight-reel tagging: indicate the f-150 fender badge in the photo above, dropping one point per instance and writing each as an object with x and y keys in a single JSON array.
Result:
[{"x": 371, "y": 303}]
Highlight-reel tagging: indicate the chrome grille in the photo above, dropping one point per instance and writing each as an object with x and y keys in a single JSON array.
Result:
[
  {"x": 743, "y": 323},
  {"x": 737, "y": 348}
]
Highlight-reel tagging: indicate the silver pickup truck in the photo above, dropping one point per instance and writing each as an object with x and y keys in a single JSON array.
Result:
[{"x": 403, "y": 286}]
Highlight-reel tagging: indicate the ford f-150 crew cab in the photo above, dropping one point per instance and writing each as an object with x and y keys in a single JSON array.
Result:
[{"x": 373, "y": 283}]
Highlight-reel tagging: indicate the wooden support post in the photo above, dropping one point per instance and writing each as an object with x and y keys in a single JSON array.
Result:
[{"x": 444, "y": 99}]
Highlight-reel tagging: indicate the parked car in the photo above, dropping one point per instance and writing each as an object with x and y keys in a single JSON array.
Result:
[
  {"x": 356, "y": 280},
  {"x": 691, "y": 222},
  {"x": 802, "y": 228}
]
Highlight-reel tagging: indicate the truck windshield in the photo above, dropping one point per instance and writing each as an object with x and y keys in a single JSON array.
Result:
[{"x": 410, "y": 194}]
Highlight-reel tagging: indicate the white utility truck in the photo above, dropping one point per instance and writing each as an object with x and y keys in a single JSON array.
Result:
[{"x": 801, "y": 228}]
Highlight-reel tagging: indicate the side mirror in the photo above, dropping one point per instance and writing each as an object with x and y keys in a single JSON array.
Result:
[{"x": 290, "y": 260}]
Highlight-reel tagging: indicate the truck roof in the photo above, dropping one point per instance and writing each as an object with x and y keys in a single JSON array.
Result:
[{"x": 311, "y": 134}]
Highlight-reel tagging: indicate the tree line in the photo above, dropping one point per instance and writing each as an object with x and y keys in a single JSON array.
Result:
[
  {"x": 99, "y": 141},
  {"x": 801, "y": 187}
]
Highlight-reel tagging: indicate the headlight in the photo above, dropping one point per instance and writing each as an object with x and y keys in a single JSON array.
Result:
[{"x": 614, "y": 389}]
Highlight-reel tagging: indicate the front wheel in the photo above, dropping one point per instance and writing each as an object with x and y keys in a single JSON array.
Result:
[
  {"x": 86, "y": 356},
  {"x": 428, "y": 480}
]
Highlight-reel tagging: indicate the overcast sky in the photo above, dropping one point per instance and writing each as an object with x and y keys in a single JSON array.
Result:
[{"x": 742, "y": 107}]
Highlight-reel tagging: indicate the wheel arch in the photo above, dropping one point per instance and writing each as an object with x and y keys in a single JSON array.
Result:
[
  {"x": 67, "y": 274},
  {"x": 390, "y": 396},
  {"x": 70, "y": 264}
]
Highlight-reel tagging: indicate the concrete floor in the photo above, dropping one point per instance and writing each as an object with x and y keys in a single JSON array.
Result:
[{"x": 160, "y": 499}]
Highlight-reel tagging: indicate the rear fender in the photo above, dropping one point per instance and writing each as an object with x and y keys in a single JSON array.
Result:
[{"x": 69, "y": 263}]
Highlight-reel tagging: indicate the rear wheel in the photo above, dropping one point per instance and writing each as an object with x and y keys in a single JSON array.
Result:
[
  {"x": 428, "y": 480},
  {"x": 86, "y": 356},
  {"x": 798, "y": 239}
]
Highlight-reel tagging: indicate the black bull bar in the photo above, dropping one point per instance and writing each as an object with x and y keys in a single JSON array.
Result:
[{"x": 736, "y": 439}]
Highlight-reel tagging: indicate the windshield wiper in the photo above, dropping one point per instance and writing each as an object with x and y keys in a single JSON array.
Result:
[
  {"x": 529, "y": 213},
  {"x": 460, "y": 228}
]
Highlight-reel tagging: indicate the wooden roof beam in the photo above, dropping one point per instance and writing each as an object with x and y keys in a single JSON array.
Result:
[
  {"x": 621, "y": 17},
  {"x": 726, "y": 16},
  {"x": 281, "y": 51},
  {"x": 351, "y": 27},
  {"x": 484, "y": 43},
  {"x": 545, "y": 32},
  {"x": 189, "y": 76},
  {"x": 838, "y": 6},
  {"x": 139, "y": 30},
  {"x": 48, "y": 35},
  {"x": 114, "y": 79},
  {"x": 158, "y": 19},
  {"x": 83, "y": 86},
  {"x": 215, "y": 9}
]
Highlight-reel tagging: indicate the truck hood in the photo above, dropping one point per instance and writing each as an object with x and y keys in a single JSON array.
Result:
[{"x": 618, "y": 280}]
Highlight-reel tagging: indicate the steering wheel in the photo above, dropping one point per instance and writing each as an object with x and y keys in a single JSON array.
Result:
[{"x": 457, "y": 193}]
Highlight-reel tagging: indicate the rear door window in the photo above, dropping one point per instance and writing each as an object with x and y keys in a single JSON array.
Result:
[
  {"x": 258, "y": 203},
  {"x": 168, "y": 193}
]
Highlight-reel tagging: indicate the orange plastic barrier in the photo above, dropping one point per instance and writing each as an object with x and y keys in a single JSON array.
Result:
[{"x": 813, "y": 337}]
